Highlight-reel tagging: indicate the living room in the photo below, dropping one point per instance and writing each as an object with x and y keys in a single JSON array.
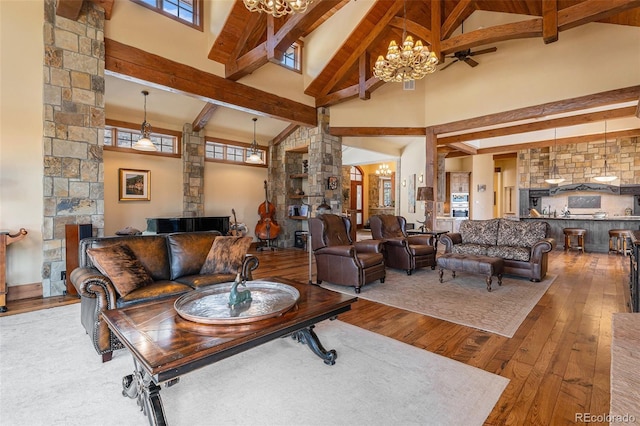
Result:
[{"x": 528, "y": 72}]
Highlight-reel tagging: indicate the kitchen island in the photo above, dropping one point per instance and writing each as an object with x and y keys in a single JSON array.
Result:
[{"x": 597, "y": 237}]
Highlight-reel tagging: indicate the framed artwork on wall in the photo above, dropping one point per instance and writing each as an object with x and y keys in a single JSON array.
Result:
[
  {"x": 134, "y": 185},
  {"x": 411, "y": 196},
  {"x": 332, "y": 182}
]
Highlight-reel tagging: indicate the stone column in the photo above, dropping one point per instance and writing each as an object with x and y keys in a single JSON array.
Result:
[
  {"x": 73, "y": 133},
  {"x": 193, "y": 144}
]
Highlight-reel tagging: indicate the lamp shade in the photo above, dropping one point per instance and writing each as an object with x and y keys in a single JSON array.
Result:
[
  {"x": 144, "y": 144},
  {"x": 425, "y": 193}
]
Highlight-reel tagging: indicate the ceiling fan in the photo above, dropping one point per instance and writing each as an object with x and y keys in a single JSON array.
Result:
[{"x": 465, "y": 56}]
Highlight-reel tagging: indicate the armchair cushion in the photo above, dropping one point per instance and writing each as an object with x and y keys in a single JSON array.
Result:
[
  {"x": 120, "y": 265},
  {"x": 226, "y": 255},
  {"x": 390, "y": 227}
]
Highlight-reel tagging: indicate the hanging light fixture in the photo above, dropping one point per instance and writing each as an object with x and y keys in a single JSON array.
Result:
[
  {"x": 254, "y": 155},
  {"x": 144, "y": 143},
  {"x": 605, "y": 177},
  {"x": 277, "y": 8},
  {"x": 412, "y": 62},
  {"x": 383, "y": 170},
  {"x": 554, "y": 176}
]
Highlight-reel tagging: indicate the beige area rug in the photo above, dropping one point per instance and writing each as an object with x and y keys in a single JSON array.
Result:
[
  {"x": 462, "y": 300},
  {"x": 625, "y": 375},
  {"x": 51, "y": 375}
]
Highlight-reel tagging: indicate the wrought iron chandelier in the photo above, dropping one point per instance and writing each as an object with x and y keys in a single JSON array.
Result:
[
  {"x": 254, "y": 155},
  {"x": 605, "y": 177},
  {"x": 277, "y": 8},
  {"x": 554, "y": 176},
  {"x": 411, "y": 62},
  {"x": 144, "y": 143}
]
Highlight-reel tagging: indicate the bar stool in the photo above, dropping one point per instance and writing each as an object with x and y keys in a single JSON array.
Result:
[
  {"x": 574, "y": 232},
  {"x": 618, "y": 240}
]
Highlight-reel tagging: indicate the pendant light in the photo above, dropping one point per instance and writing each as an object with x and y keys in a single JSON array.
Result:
[
  {"x": 554, "y": 176},
  {"x": 254, "y": 156},
  {"x": 144, "y": 143},
  {"x": 605, "y": 177}
]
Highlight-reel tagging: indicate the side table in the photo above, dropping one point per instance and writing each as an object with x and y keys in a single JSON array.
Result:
[{"x": 435, "y": 233}]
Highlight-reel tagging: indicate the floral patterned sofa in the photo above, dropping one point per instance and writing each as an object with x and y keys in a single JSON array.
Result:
[{"x": 523, "y": 246}]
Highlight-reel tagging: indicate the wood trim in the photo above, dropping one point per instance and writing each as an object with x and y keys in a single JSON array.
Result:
[
  {"x": 24, "y": 291},
  {"x": 591, "y": 11},
  {"x": 436, "y": 29},
  {"x": 539, "y": 125},
  {"x": 204, "y": 116},
  {"x": 524, "y": 29},
  {"x": 347, "y": 93},
  {"x": 462, "y": 11},
  {"x": 140, "y": 66},
  {"x": 549, "y": 21},
  {"x": 566, "y": 105},
  {"x": 285, "y": 133},
  {"x": 377, "y": 131}
]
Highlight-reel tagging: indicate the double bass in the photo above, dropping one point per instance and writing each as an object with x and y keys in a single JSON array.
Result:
[{"x": 267, "y": 228}]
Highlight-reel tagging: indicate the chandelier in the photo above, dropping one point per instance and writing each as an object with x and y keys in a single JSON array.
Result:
[
  {"x": 144, "y": 143},
  {"x": 254, "y": 156},
  {"x": 554, "y": 176},
  {"x": 383, "y": 170},
  {"x": 605, "y": 177},
  {"x": 277, "y": 8},
  {"x": 411, "y": 62}
]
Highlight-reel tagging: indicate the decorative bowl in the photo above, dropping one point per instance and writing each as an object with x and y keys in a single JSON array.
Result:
[{"x": 600, "y": 215}]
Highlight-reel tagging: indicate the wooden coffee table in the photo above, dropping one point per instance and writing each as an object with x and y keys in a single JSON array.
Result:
[{"x": 165, "y": 346}]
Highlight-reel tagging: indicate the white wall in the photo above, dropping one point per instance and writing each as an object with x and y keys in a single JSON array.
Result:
[
  {"x": 412, "y": 161},
  {"x": 21, "y": 172},
  {"x": 482, "y": 174}
]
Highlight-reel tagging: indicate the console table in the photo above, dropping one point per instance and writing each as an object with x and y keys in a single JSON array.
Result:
[{"x": 5, "y": 239}]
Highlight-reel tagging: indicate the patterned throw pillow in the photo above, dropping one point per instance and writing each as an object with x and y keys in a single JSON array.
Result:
[
  {"x": 120, "y": 265},
  {"x": 483, "y": 232},
  {"x": 520, "y": 234},
  {"x": 226, "y": 255}
]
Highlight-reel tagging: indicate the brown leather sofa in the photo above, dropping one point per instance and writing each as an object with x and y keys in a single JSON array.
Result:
[
  {"x": 173, "y": 261},
  {"x": 524, "y": 246},
  {"x": 400, "y": 250},
  {"x": 339, "y": 260}
]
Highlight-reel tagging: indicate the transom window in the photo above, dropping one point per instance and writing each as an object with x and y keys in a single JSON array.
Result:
[
  {"x": 188, "y": 12},
  {"x": 122, "y": 137},
  {"x": 231, "y": 152},
  {"x": 355, "y": 174},
  {"x": 292, "y": 58}
]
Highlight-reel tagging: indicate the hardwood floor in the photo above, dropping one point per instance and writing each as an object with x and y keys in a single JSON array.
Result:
[{"x": 558, "y": 362}]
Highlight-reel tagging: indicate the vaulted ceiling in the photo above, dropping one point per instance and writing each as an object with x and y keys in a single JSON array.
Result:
[{"x": 248, "y": 41}]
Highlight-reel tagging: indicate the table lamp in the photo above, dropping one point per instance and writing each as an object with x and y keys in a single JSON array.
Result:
[{"x": 425, "y": 193}]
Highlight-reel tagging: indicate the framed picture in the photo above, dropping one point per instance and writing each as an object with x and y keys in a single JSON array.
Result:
[
  {"x": 332, "y": 182},
  {"x": 134, "y": 185}
]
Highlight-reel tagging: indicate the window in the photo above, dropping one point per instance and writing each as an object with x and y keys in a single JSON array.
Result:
[
  {"x": 230, "y": 152},
  {"x": 292, "y": 58},
  {"x": 386, "y": 198},
  {"x": 355, "y": 174},
  {"x": 188, "y": 12},
  {"x": 121, "y": 136}
]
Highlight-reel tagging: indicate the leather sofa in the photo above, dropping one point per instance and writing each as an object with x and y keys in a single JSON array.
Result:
[
  {"x": 339, "y": 260},
  {"x": 402, "y": 251},
  {"x": 524, "y": 246},
  {"x": 173, "y": 263}
]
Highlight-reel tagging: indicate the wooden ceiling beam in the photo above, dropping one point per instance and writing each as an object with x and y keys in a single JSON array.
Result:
[
  {"x": 591, "y": 11},
  {"x": 140, "y": 66},
  {"x": 436, "y": 29},
  {"x": 610, "y": 97},
  {"x": 364, "y": 75},
  {"x": 464, "y": 148},
  {"x": 204, "y": 116},
  {"x": 347, "y": 93},
  {"x": 540, "y": 125},
  {"x": 462, "y": 11},
  {"x": 412, "y": 27},
  {"x": 69, "y": 9},
  {"x": 377, "y": 131},
  {"x": 285, "y": 134},
  {"x": 549, "y": 21},
  {"x": 107, "y": 5},
  {"x": 369, "y": 28},
  {"x": 515, "y": 30}
]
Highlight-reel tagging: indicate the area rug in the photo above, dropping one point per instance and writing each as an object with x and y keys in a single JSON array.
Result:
[
  {"x": 462, "y": 300},
  {"x": 51, "y": 375},
  {"x": 625, "y": 376}
]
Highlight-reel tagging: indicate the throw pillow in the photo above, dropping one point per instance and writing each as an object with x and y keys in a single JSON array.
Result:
[
  {"x": 226, "y": 255},
  {"x": 120, "y": 265}
]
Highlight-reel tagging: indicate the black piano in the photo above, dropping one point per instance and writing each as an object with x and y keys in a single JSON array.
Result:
[{"x": 188, "y": 224}]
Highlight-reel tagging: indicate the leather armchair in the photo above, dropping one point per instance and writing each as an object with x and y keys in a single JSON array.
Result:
[
  {"x": 341, "y": 261},
  {"x": 402, "y": 251}
]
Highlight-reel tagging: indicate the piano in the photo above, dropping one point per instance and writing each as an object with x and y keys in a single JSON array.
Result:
[{"x": 188, "y": 224}]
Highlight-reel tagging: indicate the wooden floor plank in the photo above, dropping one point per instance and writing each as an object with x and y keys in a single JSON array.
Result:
[{"x": 558, "y": 361}]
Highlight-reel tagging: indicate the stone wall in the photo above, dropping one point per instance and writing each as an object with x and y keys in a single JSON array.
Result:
[
  {"x": 324, "y": 153},
  {"x": 73, "y": 133},
  {"x": 193, "y": 154},
  {"x": 579, "y": 163}
]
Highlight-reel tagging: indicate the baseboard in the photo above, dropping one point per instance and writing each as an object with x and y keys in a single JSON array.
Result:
[{"x": 25, "y": 291}]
